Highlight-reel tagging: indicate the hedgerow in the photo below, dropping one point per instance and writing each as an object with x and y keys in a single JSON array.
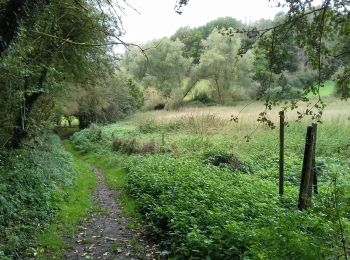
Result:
[{"x": 31, "y": 182}]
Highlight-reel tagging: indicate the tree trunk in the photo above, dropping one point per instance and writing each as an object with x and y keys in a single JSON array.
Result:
[
  {"x": 219, "y": 91},
  {"x": 69, "y": 119},
  {"x": 305, "y": 192},
  {"x": 20, "y": 132}
]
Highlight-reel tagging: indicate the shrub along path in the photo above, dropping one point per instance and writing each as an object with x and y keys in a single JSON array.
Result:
[{"x": 105, "y": 234}]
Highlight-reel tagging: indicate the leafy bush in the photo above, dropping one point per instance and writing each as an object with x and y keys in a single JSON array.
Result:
[
  {"x": 285, "y": 92},
  {"x": 130, "y": 146},
  {"x": 30, "y": 185},
  {"x": 175, "y": 101},
  {"x": 199, "y": 211},
  {"x": 116, "y": 97},
  {"x": 117, "y": 143},
  {"x": 135, "y": 92},
  {"x": 85, "y": 140}
]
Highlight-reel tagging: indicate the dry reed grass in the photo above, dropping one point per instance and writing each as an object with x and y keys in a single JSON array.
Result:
[{"x": 216, "y": 119}]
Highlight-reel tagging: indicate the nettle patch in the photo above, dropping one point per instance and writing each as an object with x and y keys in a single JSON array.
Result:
[{"x": 199, "y": 210}]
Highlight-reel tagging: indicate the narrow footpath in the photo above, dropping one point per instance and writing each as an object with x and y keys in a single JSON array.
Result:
[{"x": 104, "y": 235}]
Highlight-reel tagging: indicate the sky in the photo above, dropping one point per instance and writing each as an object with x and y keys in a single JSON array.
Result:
[{"x": 155, "y": 19}]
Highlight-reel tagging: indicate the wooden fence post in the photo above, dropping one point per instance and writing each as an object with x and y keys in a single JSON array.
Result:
[
  {"x": 314, "y": 167},
  {"x": 306, "y": 181},
  {"x": 281, "y": 161}
]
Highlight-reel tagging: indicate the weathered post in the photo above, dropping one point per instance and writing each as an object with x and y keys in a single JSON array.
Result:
[
  {"x": 163, "y": 139},
  {"x": 306, "y": 181},
  {"x": 314, "y": 167},
  {"x": 281, "y": 161},
  {"x": 312, "y": 170}
]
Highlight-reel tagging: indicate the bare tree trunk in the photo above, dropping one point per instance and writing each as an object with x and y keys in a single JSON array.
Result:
[{"x": 218, "y": 91}]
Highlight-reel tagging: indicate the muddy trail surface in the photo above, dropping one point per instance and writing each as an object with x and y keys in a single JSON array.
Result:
[{"x": 104, "y": 235}]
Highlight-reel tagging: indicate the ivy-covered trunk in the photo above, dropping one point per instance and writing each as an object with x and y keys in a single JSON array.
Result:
[
  {"x": 13, "y": 14},
  {"x": 20, "y": 126}
]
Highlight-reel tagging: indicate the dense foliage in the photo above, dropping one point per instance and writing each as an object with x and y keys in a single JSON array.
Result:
[
  {"x": 62, "y": 54},
  {"x": 161, "y": 65},
  {"x": 193, "y": 37},
  {"x": 312, "y": 32},
  {"x": 31, "y": 182},
  {"x": 230, "y": 75},
  {"x": 203, "y": 211},
  {"x": 264, "y": 60},
  {"x": 112, "y": 99},
  {"x": 197, "y": 196}
]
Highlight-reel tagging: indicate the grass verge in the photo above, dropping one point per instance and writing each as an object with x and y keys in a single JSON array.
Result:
[{"x": 73, "y": 209}]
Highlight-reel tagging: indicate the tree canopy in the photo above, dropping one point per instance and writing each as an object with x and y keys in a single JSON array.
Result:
[
  {"x": 160, "y": 65},
  {"x": 219, "y": 63},
  {"x": 193, "y": 37},
  {"x": 310, "y": 30},
  {"x": 47, "y": 48}
]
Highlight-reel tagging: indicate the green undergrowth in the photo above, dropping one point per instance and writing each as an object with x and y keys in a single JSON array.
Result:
[
  {"x": 204, "y": 211},
  {"x": 206, "y": 193},
  {"x": 32, "y": 184},
  {"x": 74, "y": 207}
]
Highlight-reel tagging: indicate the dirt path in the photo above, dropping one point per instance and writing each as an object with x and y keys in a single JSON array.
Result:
[{"x": 105, "y": 234}]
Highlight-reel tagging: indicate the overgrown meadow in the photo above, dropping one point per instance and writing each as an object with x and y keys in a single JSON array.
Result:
[{"x": 204, "y": 192}]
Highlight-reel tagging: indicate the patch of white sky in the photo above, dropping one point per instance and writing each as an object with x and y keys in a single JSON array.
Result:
[{"x": 155, "y": 19}]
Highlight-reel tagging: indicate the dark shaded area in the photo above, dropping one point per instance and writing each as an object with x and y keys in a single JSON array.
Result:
[
  {"x": 159, "y": 106},
  {"x": 14, "y": 13},
  {"x": 66, "y": 132},
  {"x": 227, "y": 159}
]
